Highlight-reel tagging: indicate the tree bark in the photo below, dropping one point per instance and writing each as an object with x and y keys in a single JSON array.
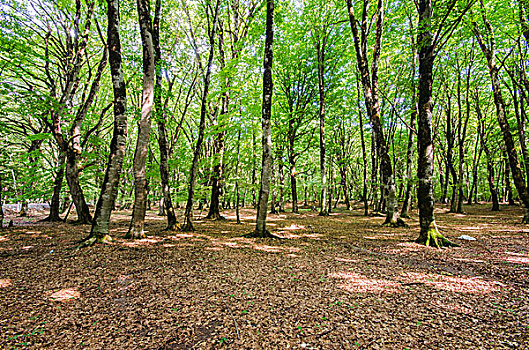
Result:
[
  {"x": 320, "y": 51},
  {"x": 369, "y": 79},
  {"x": 364, "y": 153},
  {"x": 429, "y": 235},
  {"x": 161, "y": 122},
  {"x": 409, "y": 151},
  {"x": 488, "y": 156},
  {"x": 488, "y": 49},
  {"x": 136, "y": 229},
  {"x": 109, "y": 188},
  {"x": 216, "y": 176},
  {"x": 55, "y": 204},
  {"x": 188, "y": 215},
  {"x": 268, "y": 86}
]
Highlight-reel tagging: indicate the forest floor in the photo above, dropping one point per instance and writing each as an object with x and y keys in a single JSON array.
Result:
[{"x": 337, "y": 282}]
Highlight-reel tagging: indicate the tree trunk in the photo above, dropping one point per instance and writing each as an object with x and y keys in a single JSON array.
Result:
[
  {"x": 364, "y": 153},
  {"x": 166, "y": 204},
  {"x": 429, "y": 235},
  {"x": 216, "y": 177},
  {"x": 55, "y": 204},
  {"x": 293, "y": 184},
  {"x": 490, "y": 171},
  {"x": 72, "y": 177},
  {"x": 260, "y": 229},
  {"x": 281, "y": 172},
  {"x": 109, "y": 187},
  {"x": 1, "y": 204},
  {"x": 370, "y": 86},
  {"x": 404, "y": 212},
  {"x": 136, "y": 229},
  {"x": 488, "y": 51},
  {"x": 320, "y": 51},
  {"x": 188, "y": 215}
]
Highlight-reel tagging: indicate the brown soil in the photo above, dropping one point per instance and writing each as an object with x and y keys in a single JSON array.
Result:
[{"x": 337, "y": 282}]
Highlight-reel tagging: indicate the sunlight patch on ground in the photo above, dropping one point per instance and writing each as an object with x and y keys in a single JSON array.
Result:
[
  {"x": 286, "y": 235},
  {"x": 4, "y": 283},
  {"x": 213, "y": 248},
  {"x": 28, "y": 247},
  {"x": 469, "y": 228},
  {"x": 3, "y": 238},
  {"x": 356, "y": 283},
  {"x": 454, "y": 307},
  {"x": 386, "y": 236},
  {"x": 407, "y": 247},
  {"x": 467, "y": 285},
  {"x": 275, "y": 249},
  {"x": 515, "y": 258},
  {"x": 66, "y": 294},
  {"x": 470, "y": 260},
  {"x": 142, "y": 242},
  {"x": 294, "y": 227},
  {"x": 346, "y": 260}
]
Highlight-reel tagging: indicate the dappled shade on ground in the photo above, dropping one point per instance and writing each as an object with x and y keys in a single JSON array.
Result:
[{"x": 335, "y": 282}]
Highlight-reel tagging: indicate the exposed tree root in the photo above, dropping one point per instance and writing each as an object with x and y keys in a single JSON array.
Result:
[
  {"x": 432, "y": 238},
  {"x": 323, "y": 213},
  {"x": 187, "y": 227},
  {"x": 215, "y": 217},
  {"x": 173, "y": 228},
  {"x": 395, "y": 223},
  {"x": 91, "y": 240}
]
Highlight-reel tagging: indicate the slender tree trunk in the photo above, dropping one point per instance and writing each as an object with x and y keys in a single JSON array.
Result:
[
  {"x": 520, "y": 118},
  {"x": 216, "y": 177},
  {"x": 509, "y": 196},
  {"x": 490, "y": 165},
  {"x": 237, "y": 206},
  {"x": 136, "y": 229},
  {"x": 188, "y": 215},
  {"x": 72, "y": 177},
  {"x": 343, "y": 181},
  {"x": 450, "y": 140},
  {"x": 409, "y": 151},
  {"x": 429, "y": 235},
  {"x": 364, "y": 153},
  {"x": 477, "y": 155},
  {"x": 320, "y": 50},
  {"x": 1, "y": 204},
  {"x": 488, "y": 49},
  {"x": 109, "y": 187},
  {"x": 293, "y": 184},
  {"x": 166, "y": 204},
  {"x": 281, "y": 172},
  {"x": 55, "y": 204},
  {"x": 260, "y": 230},
  {"x": 370, "y": 86}
]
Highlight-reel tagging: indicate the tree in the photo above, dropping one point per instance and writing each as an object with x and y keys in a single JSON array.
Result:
[
  {"x": 487, "y": 45},
  {"x": 268, "y": 88},
  {"x": 188, "y": 215},
  {"x": 142, "y": 146},
  {"x": 161, "y": 121},
  {"x": 369, "y": 79},
  {"x": 429, "y": 44},
  {"x": 109, "y": 188}
]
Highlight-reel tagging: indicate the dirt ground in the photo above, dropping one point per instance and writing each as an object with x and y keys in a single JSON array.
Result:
[{"x": 337, "y": 282}]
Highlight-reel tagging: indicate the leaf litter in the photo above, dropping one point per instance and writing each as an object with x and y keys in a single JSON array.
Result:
[{"x": 337, "y": 282}]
